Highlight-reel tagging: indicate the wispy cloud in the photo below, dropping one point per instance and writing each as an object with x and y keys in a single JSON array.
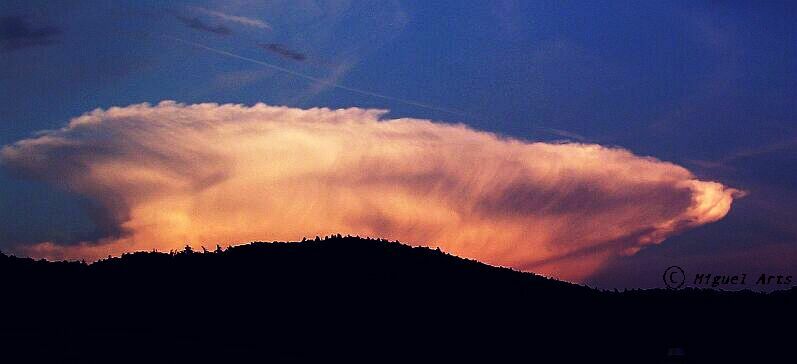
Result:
[
  {"x": 728, "y": 160},
  {"x": 252, "y": 22},
  {"x": 208, "y": 173},
  {"x": 198, "y": 24},
  {"x": 17, "y": 33},
  {"x": 283, "y": 51},
  {"x": 317, "y": 80}
]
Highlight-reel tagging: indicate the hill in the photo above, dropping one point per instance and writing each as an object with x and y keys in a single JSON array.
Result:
[{"x": 362, "y": 300}]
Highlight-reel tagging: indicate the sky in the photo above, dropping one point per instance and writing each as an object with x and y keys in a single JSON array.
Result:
[{"x": 598, "y": 142}]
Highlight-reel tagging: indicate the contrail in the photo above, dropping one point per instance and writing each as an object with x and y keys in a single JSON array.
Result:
[
  {"x": 558, "y": 132},
  {"x": 316, "y": 79}
]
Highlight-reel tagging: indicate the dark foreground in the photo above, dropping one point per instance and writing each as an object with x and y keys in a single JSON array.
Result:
[{"x": 362, "y": 300}]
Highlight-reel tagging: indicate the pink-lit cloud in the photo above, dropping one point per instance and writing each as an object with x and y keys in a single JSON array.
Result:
[{"x": 172, "y": 174}]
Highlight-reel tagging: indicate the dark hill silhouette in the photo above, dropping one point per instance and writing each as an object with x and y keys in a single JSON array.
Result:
[{"x": 353, "y": 299}]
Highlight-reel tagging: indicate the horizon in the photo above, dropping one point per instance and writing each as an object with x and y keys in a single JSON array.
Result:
[{"x": 758, "y": 283}]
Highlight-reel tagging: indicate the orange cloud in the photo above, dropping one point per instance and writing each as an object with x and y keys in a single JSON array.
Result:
[{"x": 169, "y": 174}]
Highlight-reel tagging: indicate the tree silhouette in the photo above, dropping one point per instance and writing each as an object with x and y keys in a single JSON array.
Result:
[{"x": 358, "y": 299}]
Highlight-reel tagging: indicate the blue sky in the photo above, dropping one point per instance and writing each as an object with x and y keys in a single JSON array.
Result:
[{"x": 708, "y": 85}]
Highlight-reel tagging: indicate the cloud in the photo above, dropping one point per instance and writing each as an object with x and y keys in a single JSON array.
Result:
[
  {"x": 257, "y": 23},
  {"x": 745, "y": 153},
  {"x": 169, "y": 174},
  {"x": 198, "y": 24},
  {"x": 328, "y": 82},
  {"x": 282, "y": 51},
  {"x": 16, "y": 33}
]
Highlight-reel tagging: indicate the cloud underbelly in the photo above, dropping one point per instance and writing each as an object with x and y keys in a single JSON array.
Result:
[{"x": 171, "y": 173}]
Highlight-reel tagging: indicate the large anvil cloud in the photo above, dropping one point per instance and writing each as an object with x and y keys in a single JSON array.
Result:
[{"x": 171, "y": 173}]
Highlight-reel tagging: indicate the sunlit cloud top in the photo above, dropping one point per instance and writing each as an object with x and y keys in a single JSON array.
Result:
[{"x": 171, "y": 174}]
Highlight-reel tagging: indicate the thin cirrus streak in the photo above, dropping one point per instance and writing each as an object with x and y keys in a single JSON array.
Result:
[
  {"x": 315, "y": 79},
  {"x": 252, "y": 22},
  {"x": 172, "y": 173},
  {"x": 325, "y": 82}
]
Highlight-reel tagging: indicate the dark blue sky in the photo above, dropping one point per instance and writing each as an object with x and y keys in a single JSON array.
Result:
[{"x": 709, "y": 85}]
